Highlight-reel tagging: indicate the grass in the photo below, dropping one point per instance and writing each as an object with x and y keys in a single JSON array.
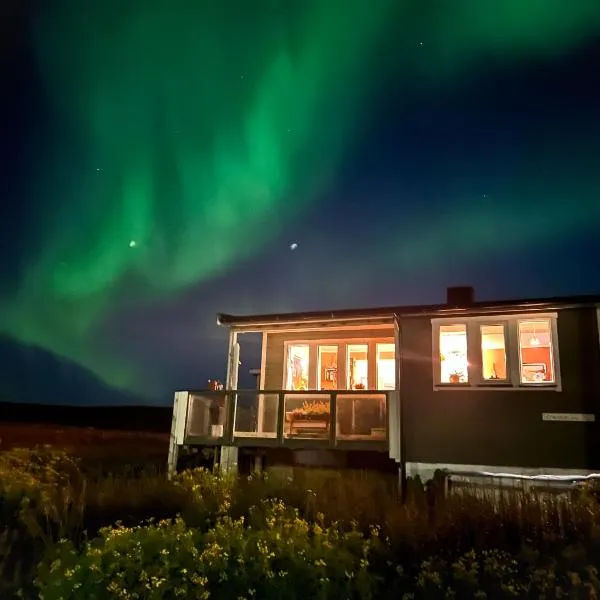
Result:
[{"x": 287, "y": 535}]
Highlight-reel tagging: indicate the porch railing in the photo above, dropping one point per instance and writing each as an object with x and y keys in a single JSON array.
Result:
[{"x": 280, "y": 417}]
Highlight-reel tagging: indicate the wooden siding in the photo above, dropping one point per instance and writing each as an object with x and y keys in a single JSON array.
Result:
[
  {"x": 274, "y": 364},
  {"x": 504, "y": 427}
]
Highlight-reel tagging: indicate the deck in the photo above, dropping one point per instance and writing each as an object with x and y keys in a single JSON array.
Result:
[{"x": 280, "y": 418}]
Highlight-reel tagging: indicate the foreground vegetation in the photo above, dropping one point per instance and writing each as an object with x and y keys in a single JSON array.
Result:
[{"x": 69, "y": 532}]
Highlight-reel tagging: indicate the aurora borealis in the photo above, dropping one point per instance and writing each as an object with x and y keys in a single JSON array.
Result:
[{"x": 177, "y": 149}]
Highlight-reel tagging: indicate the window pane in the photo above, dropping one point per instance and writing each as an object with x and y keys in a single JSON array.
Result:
[
  {"x": 535, "y": 351},
  {"x": 453, "y": 354},
  {"x": 297, "y": 367},
  {"x": 493, "y": 352},
  {"x": 328, "y": 367},
  {"x": 386, "y": 366},
  {"x": 358, "y": 367}
]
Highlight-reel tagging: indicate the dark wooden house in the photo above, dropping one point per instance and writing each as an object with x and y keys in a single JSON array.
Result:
[{"x": 509, "y": 387}]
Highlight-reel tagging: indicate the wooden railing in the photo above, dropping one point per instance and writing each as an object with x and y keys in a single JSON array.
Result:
[{"x": 281, "y": 417}]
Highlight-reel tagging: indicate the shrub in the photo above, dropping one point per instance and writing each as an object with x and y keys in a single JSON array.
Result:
[
  {"x": 279, "y": 556},
  {"x": 273, "y": 537}
]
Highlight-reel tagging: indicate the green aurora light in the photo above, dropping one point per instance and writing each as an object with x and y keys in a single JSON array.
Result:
[{"x": 187, "y": 126}]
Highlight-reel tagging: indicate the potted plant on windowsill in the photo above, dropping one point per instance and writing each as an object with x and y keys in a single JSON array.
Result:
[
  {"x": 311, "y": 411},
  {"x": 455, "y": 376}
]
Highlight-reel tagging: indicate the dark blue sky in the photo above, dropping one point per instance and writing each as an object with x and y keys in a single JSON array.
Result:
[{"x": 490, "y": 179}]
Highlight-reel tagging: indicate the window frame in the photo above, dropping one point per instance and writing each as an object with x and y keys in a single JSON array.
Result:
[
  {"x": 377, "y": 359},
  {"x": 507, "y": 352},
  {"x": 511, "y": 342},
  {"x": 543, "y": 384},
  {"x": 286, "y": 358},
  {"x": 366, "y": 348},
  {"x": 331, "y": 348},
  {"x": 342, "y": 344},
  {"x": 438, "y": 354}
]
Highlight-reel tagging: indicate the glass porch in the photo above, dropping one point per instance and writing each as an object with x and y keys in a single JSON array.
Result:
[{"x": 295, "y": 418}]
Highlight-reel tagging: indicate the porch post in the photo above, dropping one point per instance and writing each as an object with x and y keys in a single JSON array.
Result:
[
  {"x": 178, "y": 429},
  {"x": 396, "y": 417},
  {"x": 229, "y": 454},
  {"x": 260, "y": 417},
  {"x": 233, "y": 362}
]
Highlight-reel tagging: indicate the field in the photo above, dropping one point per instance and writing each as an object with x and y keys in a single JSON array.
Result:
[
  {"x": 98, "y": 519},
  {"x": 94, "y": 446}
]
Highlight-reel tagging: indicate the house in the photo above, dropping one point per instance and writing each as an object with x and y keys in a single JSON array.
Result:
[{"x": 510, "y": 387}]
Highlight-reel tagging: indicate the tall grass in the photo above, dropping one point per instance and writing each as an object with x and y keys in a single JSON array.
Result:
[{"x": 424, "y": 547}]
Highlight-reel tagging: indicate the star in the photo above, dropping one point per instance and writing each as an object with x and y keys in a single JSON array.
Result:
[
  {"x": 293, "y": 246},
  {"x": 132, "y": 244}
]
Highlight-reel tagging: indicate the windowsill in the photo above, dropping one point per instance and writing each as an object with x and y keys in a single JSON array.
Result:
[
  {"x": 541, "y": 384},
  {"x": 449, "y": 386},
  {"x": 504, "y": 386}
]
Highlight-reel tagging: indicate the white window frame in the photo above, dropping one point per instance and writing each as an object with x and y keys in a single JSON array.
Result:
[
  {"x": 370, "y": 350},
  {"x": 342, "y": 346},
  {"x": 511, "y": 342},
  {"x": 332, "y": 347},
  {"x": 286, "y": 383}
]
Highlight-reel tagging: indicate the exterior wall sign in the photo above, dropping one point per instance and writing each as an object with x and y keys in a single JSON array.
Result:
[{"x": 573, "y": 417}]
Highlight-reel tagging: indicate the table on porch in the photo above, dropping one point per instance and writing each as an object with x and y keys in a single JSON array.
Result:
[{"x": 307, "y": 425}]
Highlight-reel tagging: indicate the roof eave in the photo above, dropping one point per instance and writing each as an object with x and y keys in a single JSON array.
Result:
[
  {"x": 299, "y": 320},
  {"x": 259, "y": 322}
]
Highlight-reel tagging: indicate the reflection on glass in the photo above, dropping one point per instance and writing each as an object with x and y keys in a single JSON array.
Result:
[
  {"x": 535, "y": 351},
  {"x": 358, "y": 367},
  {"x": 328, "y": 365},
  {"x": 493, "y": 352},
  {"x": 386, "y": 367},
  {"x": 361, "y": 417},
  {"x": 297, "y": 367},
  {"x": 453, "y": 354}
]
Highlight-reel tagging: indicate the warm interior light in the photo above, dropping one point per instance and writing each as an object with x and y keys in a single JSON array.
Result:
[
  {"x": 535, "y": 351},
  {"x": 297, "y": 371},
  {"x": 386, "y": 366},
  {"x": 453, "y": 354},
  {"x": 357, "y": 368},
  {"x": 493, "y": 352}
]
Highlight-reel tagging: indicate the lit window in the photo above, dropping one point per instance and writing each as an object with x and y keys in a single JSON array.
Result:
[
  {"x": 453, "y": 354},
  {"x": 493, "y": 353},
  {"x": 297, "y": 367},
  {"x": 535, "y": 351},
  {"x": 358, "y": 367},
  {"x": 328, "y": 365},
  {"x": 386, "y": 366}
]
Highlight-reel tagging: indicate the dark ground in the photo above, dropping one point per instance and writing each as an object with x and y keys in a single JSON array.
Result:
[
  {"x": 127, "y": 433},
  {"x": 125, "y": 418}
]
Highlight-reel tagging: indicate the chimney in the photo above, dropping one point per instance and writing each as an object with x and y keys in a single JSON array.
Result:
[{"x": 460, "y": 296}]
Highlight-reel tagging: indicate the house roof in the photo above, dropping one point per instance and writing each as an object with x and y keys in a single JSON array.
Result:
[{"x": 390, "y": 312}]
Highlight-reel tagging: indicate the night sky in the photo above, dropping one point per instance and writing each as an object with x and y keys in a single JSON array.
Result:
[{"x": 159, "y": 159}]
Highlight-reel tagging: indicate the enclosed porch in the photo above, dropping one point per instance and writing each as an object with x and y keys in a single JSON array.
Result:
[
  {"x": 326, "y": 383},
  {"x": 339, "y": 418}
]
